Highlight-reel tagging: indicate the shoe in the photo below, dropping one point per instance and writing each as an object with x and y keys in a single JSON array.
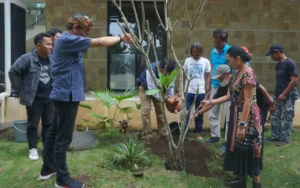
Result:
[
  {"x": 235, "y": 183},
  {"x": 223, "y": 148},
  {"x": 282, "y": 143},
  {"x": 272, "y": 139},
  {"x": 256, "y": 185},
  {"x": 213, "y": 140},
  {"x": 44, "y": 175},
  {"x": 33, "y": 154},
  {"x": 198, "y": 136},
  {"x": 71, "y": 183},
  {"x": 221, "y": 157}
]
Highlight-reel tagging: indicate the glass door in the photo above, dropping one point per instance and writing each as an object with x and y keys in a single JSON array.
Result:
[{"x": 125, "y": 64}]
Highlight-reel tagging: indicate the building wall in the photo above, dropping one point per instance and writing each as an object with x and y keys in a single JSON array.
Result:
[
  {"x": 95, "y": 60},
  {"x": 253, "y": 23}
]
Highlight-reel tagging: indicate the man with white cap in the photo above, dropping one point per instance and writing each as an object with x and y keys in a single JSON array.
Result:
[{"x": 223, "y": 74}]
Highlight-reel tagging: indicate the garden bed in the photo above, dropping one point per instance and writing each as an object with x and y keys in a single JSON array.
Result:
[{"x": 196, "y": 155}]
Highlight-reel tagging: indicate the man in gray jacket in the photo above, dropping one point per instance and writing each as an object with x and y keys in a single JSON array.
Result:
[{"x": 31, "y": 82}]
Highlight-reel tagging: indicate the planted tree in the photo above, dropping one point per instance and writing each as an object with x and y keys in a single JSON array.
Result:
[{"x": 163, "y": 82}]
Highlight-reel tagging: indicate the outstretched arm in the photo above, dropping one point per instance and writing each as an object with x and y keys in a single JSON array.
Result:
[{"x": 111, "y": 40}]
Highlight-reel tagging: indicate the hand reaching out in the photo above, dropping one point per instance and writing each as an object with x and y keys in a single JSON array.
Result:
[
  {"x": 204, "y": 103},
  {"x": 127, "y": 38}
]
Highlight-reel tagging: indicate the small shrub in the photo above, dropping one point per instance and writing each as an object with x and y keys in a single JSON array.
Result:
[{"x": 130, "y": 155}]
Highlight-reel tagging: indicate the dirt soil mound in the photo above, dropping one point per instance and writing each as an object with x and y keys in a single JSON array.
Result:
[{"x": 196, "y": 155}]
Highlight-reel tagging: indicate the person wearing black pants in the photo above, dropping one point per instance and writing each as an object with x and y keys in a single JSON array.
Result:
[
  {"x": 31, "y": 81},
  {"x": 67, "y": 91},
  {"x": 59, "y": 138},
  {"x": 39, "y": 110}
]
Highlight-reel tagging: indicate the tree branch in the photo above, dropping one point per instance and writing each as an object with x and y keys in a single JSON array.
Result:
[
  {"x": 158, "y": 16},
  {"x": 171, "y": 9},
  {"x": 137, "y": 22},
  {"x": 199, "y": 10},
  {"x": 187, "y": 13},
  {"x": 143, "y": 22}
]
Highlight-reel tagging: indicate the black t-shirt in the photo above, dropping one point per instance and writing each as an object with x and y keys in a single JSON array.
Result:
[
  {"x": 261, "y": 100},
  {"x": 284, "y": 71},
  {"x": 222, "y": 91},
  {"x": 44, "y": 87}
]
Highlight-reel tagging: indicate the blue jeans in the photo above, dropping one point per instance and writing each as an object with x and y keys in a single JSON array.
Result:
[{"x": 189, "y": 101}]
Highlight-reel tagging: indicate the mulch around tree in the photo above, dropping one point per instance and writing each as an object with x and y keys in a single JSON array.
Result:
[{"x": 196, "y": 155}]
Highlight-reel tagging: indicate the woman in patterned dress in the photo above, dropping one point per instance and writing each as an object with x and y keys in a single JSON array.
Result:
[{"x": 245, "y": 132}]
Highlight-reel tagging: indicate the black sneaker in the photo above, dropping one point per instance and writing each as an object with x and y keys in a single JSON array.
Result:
[
  {"x": 44, "y": 175},
  {"x": 272, "y": 139},
  {"x": 282, "y": 143},
  {"x": 213, "y": 140},
  {"x": 235, "y": 183},
  {"x": 71, "y": 183},
  {"x": 221, "y": 157}
]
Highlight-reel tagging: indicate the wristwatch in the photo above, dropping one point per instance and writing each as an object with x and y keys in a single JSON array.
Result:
[
  {"x": 242, "y": 124},
  {"x": 121, "y": 39}
]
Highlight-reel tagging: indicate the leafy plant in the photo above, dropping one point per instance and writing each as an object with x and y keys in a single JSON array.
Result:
[
  {"x": 130, "y": 154},
  {"x": 100, "y": 121},
  {"x": 109, "y": 99},
  {"x": 111, "y": 132}
]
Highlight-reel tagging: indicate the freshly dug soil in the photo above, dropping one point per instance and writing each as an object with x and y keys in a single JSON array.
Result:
[{"x": 196, "y": 155}]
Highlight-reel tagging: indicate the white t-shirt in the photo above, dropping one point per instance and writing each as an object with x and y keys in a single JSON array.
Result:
[
  {"x": 151, "y": 85},
  {"x": 196, "y": 68}
]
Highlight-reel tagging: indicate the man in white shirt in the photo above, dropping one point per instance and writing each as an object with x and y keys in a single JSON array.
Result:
[
  {"x": 198, "y": 68},
  {"x": 147, "y": 83}
]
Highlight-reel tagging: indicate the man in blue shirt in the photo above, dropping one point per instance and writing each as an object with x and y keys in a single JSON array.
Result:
[
  {"x": 217, "y": 58},
  {"x": 68, "y": 80}
]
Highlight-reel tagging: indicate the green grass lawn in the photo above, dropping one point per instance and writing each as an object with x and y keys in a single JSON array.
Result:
[{"x": 281, "y": 167}]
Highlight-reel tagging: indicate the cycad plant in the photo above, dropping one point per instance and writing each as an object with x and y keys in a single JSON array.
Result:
[{"x": 130, "y": 154}]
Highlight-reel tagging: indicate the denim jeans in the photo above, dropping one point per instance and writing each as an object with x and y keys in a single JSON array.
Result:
[
  {"x": 38, "y": 110},
  {"x": 59, "y": 139},
  {"x": 189, "y": 101}
]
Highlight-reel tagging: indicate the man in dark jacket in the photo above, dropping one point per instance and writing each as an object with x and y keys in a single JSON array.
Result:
[{"x": 31, "y": 82}]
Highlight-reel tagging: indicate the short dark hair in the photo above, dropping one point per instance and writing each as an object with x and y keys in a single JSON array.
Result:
[
  {"x": 169, "y": 62},
  {"x": 40, "y": 37},
  {"x": 235, "y": 51},
  {"x": 196, "y": 45},
  {"x": 53, "y": 32},
  {"x": 221, "y": 34},
  {"x": 69, "y": 26}
]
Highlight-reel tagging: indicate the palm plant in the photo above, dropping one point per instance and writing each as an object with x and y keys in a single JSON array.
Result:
[{"x": 109, "y": 99}]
